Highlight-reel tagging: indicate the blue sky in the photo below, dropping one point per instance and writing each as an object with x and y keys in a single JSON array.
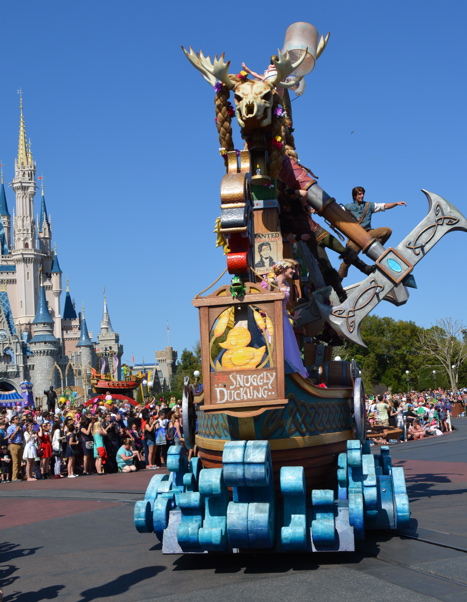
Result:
[{"x": 122, "y": 130}]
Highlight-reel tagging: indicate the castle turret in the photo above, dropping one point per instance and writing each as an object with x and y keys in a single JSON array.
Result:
[
  {"x": 5, "y": 231},
  {"x": 70, "y": 324},
  {"x": 109, "y": 349},
  {"x": 44, "y": 345},
  {"x": 56, "y": 279},
  {"x": 45, "y": 229},
  {"x": 86, "y": 352},
  {"x": 24, "y": 253}
]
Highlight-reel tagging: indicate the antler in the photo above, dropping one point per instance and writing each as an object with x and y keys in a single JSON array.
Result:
[
  {"x": 284, "y": 68},
  {"x": 322, "y": 45},
  {"x": 211, "y": 72}
]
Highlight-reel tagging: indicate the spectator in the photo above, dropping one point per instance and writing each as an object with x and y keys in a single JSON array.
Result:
[
  {"x": 45, "y": 449},
  {"x": 5, "y": 463},
  {"x": 149, "y": 437},
  {"x": 57, "y": 451},
  {"x": 15, "y": 440},
  {"x": 71, "y": 450},
  {"x": 100, "y": 453},
  {"x": 161, "y": 435},
  {"x": 126, "y": 456},
  {"x": 416, "y": 430},
  {"x": 87, "y": 443},
  {"x": 382, "y": 408},
  {"x": 30, "y": 450}
]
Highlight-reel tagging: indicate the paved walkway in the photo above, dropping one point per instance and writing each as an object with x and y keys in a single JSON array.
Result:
[{"x": 74, "y": 540}]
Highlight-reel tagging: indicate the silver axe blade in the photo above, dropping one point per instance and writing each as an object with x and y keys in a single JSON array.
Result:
[{"x": 393, "y": 266}]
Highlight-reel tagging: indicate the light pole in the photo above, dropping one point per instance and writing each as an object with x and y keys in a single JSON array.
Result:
[
  {"x": 407, "y": 378},
  {"x": 434, "y": 377},
  {"x": 454, "y": 372}
]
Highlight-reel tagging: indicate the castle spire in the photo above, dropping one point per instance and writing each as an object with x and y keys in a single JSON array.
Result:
[
  {"x": 84, "y": 339},
  {"x": 42, "y": 314},
  {"x": 24, "y": 152},
  {"x": 106, "y": 325},
  {"x": 69, "y": 312},
  {"x": 3, "y": 203},
  {"x": 44, "y": 215}
]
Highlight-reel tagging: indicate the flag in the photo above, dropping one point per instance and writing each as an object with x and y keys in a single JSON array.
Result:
[
  {"x": 115, "y": 366},
  {"x": 132, "y": 359},
  {"x": 167, "y": 327}
]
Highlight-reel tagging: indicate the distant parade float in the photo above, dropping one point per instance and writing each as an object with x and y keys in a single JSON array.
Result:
[{"x": 282, "y": 457}]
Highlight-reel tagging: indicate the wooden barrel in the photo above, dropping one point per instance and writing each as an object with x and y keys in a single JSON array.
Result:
[{"x": 336, "y": 374}]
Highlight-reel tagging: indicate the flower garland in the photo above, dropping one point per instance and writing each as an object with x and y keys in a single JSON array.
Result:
[{"x": 277, "y": 142}]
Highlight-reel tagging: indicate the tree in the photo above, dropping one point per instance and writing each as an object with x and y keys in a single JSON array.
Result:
[
  {"x": 445, "y": 342},
  {"x": 189, "y": 362},
  {"x": 392, "y": 348}
]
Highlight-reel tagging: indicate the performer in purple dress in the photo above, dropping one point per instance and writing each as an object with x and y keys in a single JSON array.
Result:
[{"x": 278, "y": 277}]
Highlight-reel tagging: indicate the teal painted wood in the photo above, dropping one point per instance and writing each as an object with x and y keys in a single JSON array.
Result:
[
  {"x": 386, "y": 460},
  {"x": 370, "y": 486},
  {"x": 342, "y": 477},
  {"x": 232, "y": 462},
  {"x": 191, "y": 505},
  {"x": 401, "y": 498},
  {"x": 160, "y": 512},
  {"x": 251, "y": 514},
  {"x": 370, "y": 494},
  {"x": 323, "y": 528},
  {"x": 142, "y": 517},
  {"x": 213, "y": 534},
  {"x": 177, "y": 463},
  {"x": 294, "y": 531}
]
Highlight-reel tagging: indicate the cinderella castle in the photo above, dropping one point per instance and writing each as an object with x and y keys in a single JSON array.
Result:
[{"x": 41, "y": 345}]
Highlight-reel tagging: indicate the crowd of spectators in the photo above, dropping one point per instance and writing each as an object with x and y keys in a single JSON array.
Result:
[
  {"x": 415, "y": 414},
  {"x": 98, "y": 439}
]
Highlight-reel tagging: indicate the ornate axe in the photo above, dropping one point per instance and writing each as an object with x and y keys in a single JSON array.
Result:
[{"x": 394, "y": 265}]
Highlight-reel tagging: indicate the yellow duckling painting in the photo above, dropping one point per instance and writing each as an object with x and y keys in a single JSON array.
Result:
[{"x": 238, "y": 355}]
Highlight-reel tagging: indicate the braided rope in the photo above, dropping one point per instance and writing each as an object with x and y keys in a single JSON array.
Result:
[
  {"x": 276, "y": 156},
  {"x": 223, "y": 119},
  {"x": 211, "y": 285}
]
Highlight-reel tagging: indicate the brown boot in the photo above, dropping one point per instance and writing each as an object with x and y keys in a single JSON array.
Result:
[
  {"x": 351, "y": 256},
  {"x": 343, "y": 270},
  {"x": 364, "y": 267}
]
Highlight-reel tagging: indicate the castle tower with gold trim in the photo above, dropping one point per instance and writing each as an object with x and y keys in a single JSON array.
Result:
[{"x": 38, "y": 341}]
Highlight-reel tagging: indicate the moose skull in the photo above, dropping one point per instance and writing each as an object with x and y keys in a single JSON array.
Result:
[{"x": 253, "y": 100}]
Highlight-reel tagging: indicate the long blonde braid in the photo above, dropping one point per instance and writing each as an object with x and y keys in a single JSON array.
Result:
[
  {"x": 223, "y": 119},
  {"x": 276, "y": 156}
]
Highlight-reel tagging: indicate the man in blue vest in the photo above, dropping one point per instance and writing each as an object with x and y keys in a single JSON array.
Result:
[{"x": 362, "y": 213}]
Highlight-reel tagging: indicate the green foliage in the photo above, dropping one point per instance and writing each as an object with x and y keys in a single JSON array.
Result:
[
  {"x": 189, "y": 362},
  {"x": 392, "y": 348}
]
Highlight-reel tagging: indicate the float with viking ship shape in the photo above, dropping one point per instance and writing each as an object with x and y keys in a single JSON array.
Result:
[{"x": 282, "y": 459}]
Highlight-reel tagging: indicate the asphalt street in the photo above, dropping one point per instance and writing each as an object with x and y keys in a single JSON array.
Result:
[{"x": 74, "y": 540}]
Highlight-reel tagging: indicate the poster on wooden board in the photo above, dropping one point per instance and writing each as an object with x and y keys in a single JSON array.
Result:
[{"x": 268, "y": 250}]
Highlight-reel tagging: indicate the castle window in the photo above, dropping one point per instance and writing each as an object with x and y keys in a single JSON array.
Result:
[
  {"x": 27, "y": 276},
  {"x": 26, "y": 245}
]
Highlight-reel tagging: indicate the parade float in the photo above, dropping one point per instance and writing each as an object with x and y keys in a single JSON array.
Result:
[{"x": 282, "y": 461}]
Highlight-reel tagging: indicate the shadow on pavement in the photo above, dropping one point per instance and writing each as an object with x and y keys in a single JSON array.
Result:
[
  {"x": 264, "y": 563},
  {"x": 422, "y": 486},
  {"x": 10, "y": 551},
  {"x": 46, "y": 593},
  {"x": 121, "y": 584}
]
